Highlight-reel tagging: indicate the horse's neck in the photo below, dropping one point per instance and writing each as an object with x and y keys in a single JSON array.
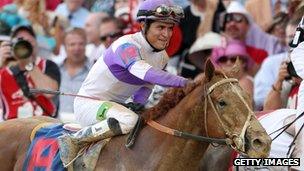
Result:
[{"x": 179, "y": 152}]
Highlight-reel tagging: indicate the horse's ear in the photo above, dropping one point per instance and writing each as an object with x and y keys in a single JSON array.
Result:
[
  {"x": 209, "y": 70},
  {"x": 235, "y": 70}
]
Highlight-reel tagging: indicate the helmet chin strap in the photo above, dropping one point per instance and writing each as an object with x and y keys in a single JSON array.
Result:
[{"x": 144, "y": 31}]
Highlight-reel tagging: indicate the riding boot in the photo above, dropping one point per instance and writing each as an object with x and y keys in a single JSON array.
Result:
[{"x": 70, "y": 144}]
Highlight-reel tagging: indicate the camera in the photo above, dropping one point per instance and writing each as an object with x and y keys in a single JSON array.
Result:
[
  {"x": 291, "y": 71},
  {"x": 297, "y": 39},
  {"x": 21, "y": 48}
]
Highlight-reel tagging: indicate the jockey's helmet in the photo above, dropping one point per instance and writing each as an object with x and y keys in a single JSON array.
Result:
[{"x": 160, "y": 10}]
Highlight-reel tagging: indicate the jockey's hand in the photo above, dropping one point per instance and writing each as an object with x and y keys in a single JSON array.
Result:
[
  {"x": 189, "y": 86},
  {"x": 135, "y": 107}
]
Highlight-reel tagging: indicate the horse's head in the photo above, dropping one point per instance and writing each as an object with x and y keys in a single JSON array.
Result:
[{"x": 229, "y": 108}]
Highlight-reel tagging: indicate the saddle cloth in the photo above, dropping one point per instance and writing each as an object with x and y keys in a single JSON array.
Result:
[{"x": 43, "y": 154}]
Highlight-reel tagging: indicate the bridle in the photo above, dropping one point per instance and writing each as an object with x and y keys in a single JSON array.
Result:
[{"x": 234, "y": 140}]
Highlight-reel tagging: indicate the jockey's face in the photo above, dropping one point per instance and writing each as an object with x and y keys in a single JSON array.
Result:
[{"x": 159, "y": 34}]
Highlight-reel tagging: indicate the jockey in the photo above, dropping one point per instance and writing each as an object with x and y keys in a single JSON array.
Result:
[{"x": 130, "y": 67}]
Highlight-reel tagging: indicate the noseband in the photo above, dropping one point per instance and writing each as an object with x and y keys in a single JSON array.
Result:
[{"x": 234, "y": 140}]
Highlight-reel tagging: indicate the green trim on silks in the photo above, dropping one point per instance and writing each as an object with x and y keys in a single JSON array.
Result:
[{"x": 103, "y": 110}]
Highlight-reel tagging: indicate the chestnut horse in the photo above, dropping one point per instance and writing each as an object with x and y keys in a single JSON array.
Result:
[
  {"x": 272, "y": 121},
  {"x": 216, "y": 107}
]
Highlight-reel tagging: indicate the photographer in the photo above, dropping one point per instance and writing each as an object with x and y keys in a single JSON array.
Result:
[
  {"x": 25, "y": 72},
  {"x": 274, "y": 98}
]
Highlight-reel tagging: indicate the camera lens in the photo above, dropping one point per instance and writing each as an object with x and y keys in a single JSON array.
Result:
[
  {"x": 22, "y": 49},
  {"x": 291, "y": 71}
]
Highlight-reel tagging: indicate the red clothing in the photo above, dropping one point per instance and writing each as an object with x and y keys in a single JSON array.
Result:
[
  {"x": 15, "y": 104},
  {"x": 52, "y": 4},
  {"x": 258, "y": 55},
  {"x": 5, "y": 2},
  {"x": 175, "y": 42}
]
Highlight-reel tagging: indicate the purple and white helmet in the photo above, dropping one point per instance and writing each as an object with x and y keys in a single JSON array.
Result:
[{"x": 163, "y": 10}]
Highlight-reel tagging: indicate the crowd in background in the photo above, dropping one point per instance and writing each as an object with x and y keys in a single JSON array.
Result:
[{"x": 73, "y": 34}]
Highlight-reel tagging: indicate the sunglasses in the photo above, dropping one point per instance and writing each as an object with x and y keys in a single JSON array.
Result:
[
  {"x": 111, "y": 35},
  {"x": 225, "y": 59},
  {"x": 165, "y": 11},
  {"x": 234, "y": 17}
]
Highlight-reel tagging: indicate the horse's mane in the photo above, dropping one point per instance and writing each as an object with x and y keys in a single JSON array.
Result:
[
  {"x": 172, "y": 97},
  {"x": 169, "y": 100}
]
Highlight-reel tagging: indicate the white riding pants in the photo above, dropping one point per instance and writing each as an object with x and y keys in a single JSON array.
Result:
[{"x": 89, "y": 112}]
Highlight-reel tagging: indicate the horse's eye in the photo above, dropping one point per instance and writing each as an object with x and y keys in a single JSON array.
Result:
[{"x": 222, "y": 104}]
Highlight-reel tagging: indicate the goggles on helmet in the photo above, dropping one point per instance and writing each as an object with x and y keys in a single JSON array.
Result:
[{"x": 164, "y": 11}]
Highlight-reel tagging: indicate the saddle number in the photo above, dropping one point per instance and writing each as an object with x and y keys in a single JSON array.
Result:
[{"x": 38, "y": 157}]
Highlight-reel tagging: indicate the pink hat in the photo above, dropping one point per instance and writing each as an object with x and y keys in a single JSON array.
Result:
[{"x": 233, "y": 48}]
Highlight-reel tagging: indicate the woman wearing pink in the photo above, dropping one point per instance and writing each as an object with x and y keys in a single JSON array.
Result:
[{"x": 225, "y": 57}]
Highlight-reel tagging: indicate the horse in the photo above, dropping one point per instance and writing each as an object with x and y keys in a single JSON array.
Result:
[
  {"x": 214, "y": 109},
  {"x": 272, "y": 121}
]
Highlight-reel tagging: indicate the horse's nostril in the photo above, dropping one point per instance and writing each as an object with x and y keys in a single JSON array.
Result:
[{"x": 257, "y": 143}]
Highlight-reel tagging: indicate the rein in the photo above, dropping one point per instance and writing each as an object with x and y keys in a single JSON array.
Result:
[
  {"x": 234, "y": 140},
  {"x": 284, "y": 128},
  {"x": 185, "y": 135}
]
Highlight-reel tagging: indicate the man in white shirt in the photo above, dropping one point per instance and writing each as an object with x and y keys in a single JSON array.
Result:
[
  {"x": 73, "y": 10},
  {"x": 269, "y": 70},
  {"x": 94, "y": 48}
]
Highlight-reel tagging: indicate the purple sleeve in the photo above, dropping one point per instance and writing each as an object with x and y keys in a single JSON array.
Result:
[
  {"x": 160, "y": 77},
  {"x": 141, "y": 96},
  {"x": 130, "y": 56}
]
